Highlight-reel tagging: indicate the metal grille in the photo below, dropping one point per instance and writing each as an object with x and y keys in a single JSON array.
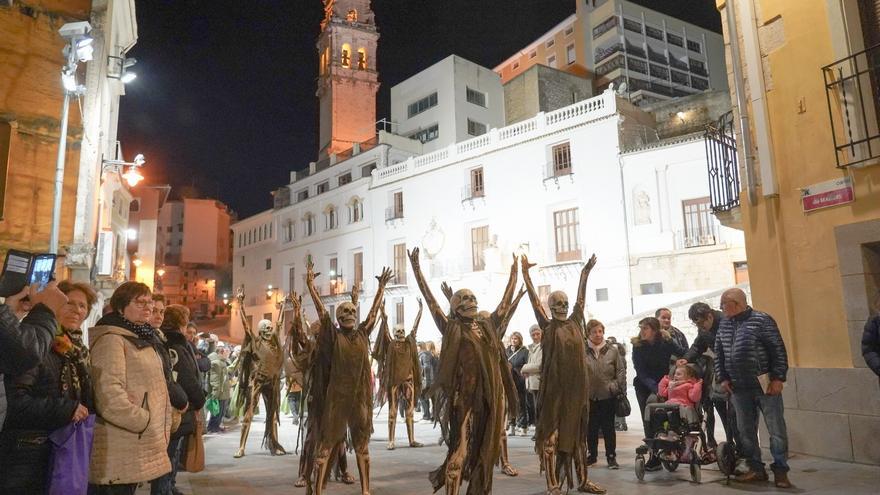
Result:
[
  {"x": 852, "y": 89},
  {"x": 724, "y": 186}
]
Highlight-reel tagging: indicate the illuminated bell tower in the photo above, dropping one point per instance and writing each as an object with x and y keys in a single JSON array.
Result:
[{"x": 347, "y": 77}]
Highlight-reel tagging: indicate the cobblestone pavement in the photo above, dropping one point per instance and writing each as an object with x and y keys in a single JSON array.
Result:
[{"x": 404, "y": 471}]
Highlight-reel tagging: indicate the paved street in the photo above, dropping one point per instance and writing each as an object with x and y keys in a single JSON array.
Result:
[{"x": 404, "y": 471}]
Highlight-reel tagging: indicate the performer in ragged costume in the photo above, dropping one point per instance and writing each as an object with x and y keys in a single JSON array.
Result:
[{"x": 560, "y": 436}]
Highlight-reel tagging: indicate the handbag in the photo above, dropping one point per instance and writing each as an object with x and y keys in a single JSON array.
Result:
[
  {"x": 69, "y": 460},
  {"x": 212, "y": 406},
  {"x": 622, "y": 408},
  {"x": 194, "y": 459}
]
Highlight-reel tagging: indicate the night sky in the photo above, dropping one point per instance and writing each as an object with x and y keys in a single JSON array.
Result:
[{"x": 225, "y": 98}]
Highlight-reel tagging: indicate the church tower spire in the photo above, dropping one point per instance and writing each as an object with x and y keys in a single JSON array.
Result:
[{"x": 347, "y": 77}]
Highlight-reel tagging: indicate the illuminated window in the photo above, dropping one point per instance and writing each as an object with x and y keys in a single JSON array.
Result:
[
  {"x": 346, "y": 56},
  {"x": 565, "y": 226},
  {"x": 479, "y": 244},
  {"x": 362, "y": 59}
]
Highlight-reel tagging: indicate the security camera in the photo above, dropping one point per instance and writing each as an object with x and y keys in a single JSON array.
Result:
[{"x": 73, "y": 30}]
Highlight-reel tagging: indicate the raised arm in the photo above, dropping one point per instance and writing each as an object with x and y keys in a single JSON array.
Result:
[
  {"x": 244, "y": 321},
  {"x": 316, "y": 297},
  {"x": 502, "y": 328},
  {"x": 540, "y": 315},
  {"x": 383, "y": 338},
  {"x": 415, "y": 328},
  {"x": 438, "y": 314},
  {"x": 355, "y": 293},
  {"x": 367, "y": 325},
  {"x": 581, "y": 301},
  {"x": 296, "y": 335},
  {"x": 504, "y": 307}
]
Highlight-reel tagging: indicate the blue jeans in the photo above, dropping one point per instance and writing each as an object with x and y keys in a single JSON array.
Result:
[
  {"x": 746, "y": 403},
  {"x": 216, "y": 420}
]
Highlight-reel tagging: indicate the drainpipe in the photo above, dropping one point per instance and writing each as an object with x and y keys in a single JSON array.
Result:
[
  {"x": 741, "y": 104},
  {"x": 632, "y": 306}
]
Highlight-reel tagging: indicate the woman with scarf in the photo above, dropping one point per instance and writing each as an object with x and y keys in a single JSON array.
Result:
[
  {"x": 49, "y": 396},
  {"x": 134, "y": 394}
]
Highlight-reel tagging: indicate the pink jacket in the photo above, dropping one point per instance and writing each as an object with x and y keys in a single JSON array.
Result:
[{"x": 686, "y": 394}]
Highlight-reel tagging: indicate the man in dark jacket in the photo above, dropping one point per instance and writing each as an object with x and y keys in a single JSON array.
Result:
[
  {"x": 702, "y": 351},
  {"x": 23, "y": 345},
  {"x": 665, "y": 317},
  {"x": 871, "y": 340},
  {"x": 751, "y": 364}
]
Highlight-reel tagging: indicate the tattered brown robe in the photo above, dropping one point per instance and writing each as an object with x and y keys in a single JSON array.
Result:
[
  {"x": 398, "y": 363},
  {"x": 563, "y": 398},
  {"x": 474, "y": 376},
  {"x": 343, "y": 357}
]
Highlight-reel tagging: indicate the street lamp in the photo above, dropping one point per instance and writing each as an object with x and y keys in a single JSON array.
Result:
[
  {"x": 161, "y": 271},
  {"x": 136, "y": 260},
  {"x": 78, "y": 49},
  {"x": 225, "y": 299},
  {"x": 269, "y": 292},
  {"x": 132, "y": 175}
]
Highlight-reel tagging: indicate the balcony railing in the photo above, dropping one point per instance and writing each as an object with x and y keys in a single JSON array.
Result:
[
  {"x": 852, "y": 88},
  {"x": 553, "y": 170},
  {"x": 393, "y": 213},
  {"x": 705, "y": 236},
  {"x": 469, "y": 192},
  {"x": 724, "y": 186}
]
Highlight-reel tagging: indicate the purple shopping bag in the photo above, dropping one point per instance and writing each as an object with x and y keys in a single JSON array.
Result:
[{"x": 69, "y": 460}]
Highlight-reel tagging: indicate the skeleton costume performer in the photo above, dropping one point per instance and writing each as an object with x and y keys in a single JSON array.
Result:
[
  {"x": 564, "y": 394},
  {"x": 260, "y": 364},
  {"x": 504, "y": 458},
  {"x": 343, "y": 357},
  {"x": 399, "y": 373},
  {"x": 474, "y": 378},
  {"x": 301, "y": 346}
]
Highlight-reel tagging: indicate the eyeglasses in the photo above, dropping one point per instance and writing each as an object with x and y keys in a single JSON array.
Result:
[{"x": 143, "y": 303}]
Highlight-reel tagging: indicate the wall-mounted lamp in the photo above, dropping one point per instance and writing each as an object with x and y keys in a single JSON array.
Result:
[
  {"x": 132, "y": 176},
  {"x": 136, "y": 260},
  {"x": 117, "y": 68}
]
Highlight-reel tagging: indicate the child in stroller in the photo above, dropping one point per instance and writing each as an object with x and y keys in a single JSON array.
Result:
[{"x": 675, "y": 426}]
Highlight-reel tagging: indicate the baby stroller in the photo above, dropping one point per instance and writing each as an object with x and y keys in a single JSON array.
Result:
[{"x": 675, "y": 435}]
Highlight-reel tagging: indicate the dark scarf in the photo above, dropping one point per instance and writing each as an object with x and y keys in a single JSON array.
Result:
[{"x": 143, "y": 331}]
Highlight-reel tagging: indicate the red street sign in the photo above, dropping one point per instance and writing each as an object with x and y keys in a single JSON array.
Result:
[{"x": 825, "y": 194}]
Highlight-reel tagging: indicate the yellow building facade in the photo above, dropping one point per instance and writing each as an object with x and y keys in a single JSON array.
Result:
[{"x": 811, "y": 96}]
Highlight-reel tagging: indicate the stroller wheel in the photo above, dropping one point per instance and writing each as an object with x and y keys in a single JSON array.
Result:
[
  {"x": 726, "y": 458},
  {"x": 695, "y": 471},
  {"x": 640, "y": 468},
  {"x": 670, "y": 466}
]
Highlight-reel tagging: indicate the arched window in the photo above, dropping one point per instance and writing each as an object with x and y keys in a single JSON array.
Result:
[
  {"x": 325, "y": 60},
  {"x": 355, "y": 210},
  {"x": 345, "y": 57},
  {"x": 308, "y": 224},
  {"x": 330, "y": 218},
  {"x": 352, "y": 16},
  {"x": 362, "y": 59}
]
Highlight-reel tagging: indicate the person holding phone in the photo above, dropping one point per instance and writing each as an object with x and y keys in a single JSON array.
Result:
[
  {"x": 24, "y": 344},
  {"x": 50, "y": 395}
]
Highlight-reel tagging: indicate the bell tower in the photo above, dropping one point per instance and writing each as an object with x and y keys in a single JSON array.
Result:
[{"x": 347, "y": 77}]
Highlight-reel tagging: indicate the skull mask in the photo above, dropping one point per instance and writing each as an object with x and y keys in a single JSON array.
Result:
[
  {"x": 464, "y": 303},
  {"x": 558, "y": 302},
  {"x": 265, "y": 329},
  {"x": 399, "y": 332},
  {"x": 346, "y": 315}
]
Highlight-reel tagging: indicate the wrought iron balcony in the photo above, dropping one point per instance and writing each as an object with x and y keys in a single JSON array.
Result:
[
  {"x": 470, "y": 192},
  {"x": 724, "y": 185},
  {"x": 393, "y": 213},
  {"x": 852, "y": 88}
]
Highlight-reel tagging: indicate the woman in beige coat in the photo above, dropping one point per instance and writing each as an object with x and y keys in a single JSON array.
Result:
[
  {"x": 607, "y": 381},
  {"x": 131, "y": 396}
]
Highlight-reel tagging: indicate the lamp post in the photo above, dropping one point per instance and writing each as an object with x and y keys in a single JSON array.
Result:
[{"x": 78, "y": 49}]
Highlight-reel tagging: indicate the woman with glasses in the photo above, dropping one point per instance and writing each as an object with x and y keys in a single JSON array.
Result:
[
  {"x": 134, "y": 394},
  {"x": 49, "y": 396}
]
